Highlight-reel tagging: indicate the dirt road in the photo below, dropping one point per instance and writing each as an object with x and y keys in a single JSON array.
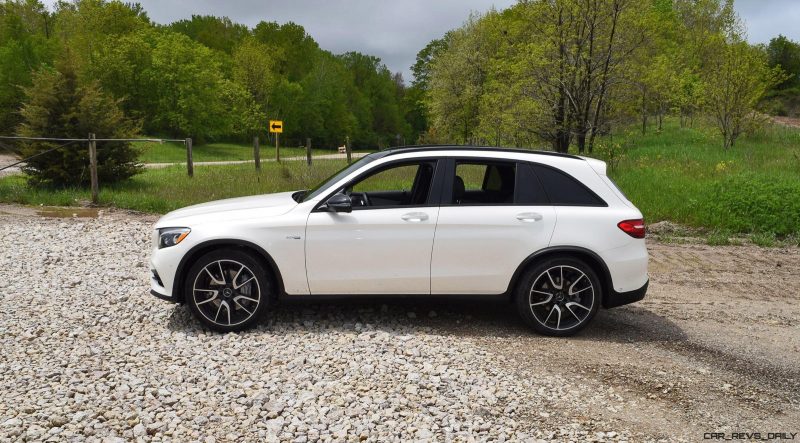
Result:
[{"x": 715, "y": 346}]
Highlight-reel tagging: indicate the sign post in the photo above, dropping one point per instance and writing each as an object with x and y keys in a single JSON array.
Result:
[{"x": 276, "y": 127}]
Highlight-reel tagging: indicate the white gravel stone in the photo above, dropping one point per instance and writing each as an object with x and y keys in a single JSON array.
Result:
[{"x": 88, "y": 353}]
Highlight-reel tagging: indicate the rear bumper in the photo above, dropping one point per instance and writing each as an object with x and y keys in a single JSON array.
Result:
[{"x": 615, "y": 298}]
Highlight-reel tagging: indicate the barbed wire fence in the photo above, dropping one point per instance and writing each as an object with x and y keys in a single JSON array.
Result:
[
  {"x": 155, "y": 153},
  {"x": 91, "y": 144}
]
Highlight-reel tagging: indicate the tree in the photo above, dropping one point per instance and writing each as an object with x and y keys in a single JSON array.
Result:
[
  {"x": 735, "y": 81},
  {"x": 218, "y": 33},
  {"x": 56, "y": 106},
  {"x": 457, "y": 78},
  {"x": 187, "y": 81},
  {"x": 25, "y": 44},
  {"x": 253, "y": 69},
  {"x": 785, "y": 53}
]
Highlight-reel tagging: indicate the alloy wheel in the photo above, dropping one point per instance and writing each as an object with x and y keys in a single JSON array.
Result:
[
  {"x": 561, "y": 297},
  {"x": 226, "y": 292}
]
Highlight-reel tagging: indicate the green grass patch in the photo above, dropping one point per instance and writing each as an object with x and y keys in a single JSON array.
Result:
[
  {"x": 166, "y": 189},
  {"x": 685, "y": 176}
]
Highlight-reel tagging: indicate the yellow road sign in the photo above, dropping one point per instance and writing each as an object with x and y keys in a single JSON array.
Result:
[{"x": 276, "y": 126}]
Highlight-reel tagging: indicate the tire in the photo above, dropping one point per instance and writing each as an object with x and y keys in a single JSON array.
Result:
[
  {"x": 554, "y": 307},
  {"x": 227, "y": 290}
]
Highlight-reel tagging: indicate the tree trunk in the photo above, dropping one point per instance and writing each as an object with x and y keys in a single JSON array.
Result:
[
  {"x": 644, "y": 112},
  {"x": 580, "y": 139}
]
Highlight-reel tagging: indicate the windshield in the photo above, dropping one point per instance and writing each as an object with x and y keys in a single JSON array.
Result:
[{"x": 325, "y": 185}]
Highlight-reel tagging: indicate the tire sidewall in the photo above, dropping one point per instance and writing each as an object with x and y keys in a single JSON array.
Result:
[
  {"x": 262, "y": 277},
  {"x": 524, "y": 286}
]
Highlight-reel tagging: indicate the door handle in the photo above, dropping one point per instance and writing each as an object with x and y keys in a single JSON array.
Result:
[
  {"x": 415, "y": 217},
  {"x": 529, "y": 217}
]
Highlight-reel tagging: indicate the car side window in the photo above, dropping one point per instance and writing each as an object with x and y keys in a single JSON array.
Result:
[
  {"x": 483, "y": 183},
  {"x": 564, "y": 190},
  {"x": 406, "y": 184},
  {"x": 529, "y": 189}
]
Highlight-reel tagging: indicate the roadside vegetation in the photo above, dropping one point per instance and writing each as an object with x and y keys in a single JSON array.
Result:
[{"x": 681, "y": 175}]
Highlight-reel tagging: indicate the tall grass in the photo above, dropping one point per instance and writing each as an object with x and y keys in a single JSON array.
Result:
[{"x": 683, "y": 175}]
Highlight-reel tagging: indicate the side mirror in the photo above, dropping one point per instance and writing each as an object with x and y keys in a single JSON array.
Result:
[{"x": 340, "y": 203}]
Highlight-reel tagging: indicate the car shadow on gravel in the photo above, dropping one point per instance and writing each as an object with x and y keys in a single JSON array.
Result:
[{"x": 484, "y": 318}]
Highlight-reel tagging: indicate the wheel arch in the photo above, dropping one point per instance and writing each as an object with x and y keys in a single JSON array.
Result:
[
  {"x": 200, "y": 249},
  {"x": 589, "y": 257}
]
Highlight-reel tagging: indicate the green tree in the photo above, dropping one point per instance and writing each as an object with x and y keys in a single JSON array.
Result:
[
  {"x": 785, "y": 53},
  {"x": 26, "y": 43},
  {"x": 56, "y": 106},
  {"x": 187, "y": 81},
  {"x": 218, "y": 33},
  {"x": 456, "y": 83},
  {"x": 735, "y": 80}
]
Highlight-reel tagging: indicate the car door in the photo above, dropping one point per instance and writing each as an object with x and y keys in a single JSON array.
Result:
[
  {"x": 384, "y": 245},
  {"x": 494, "y": 214}
]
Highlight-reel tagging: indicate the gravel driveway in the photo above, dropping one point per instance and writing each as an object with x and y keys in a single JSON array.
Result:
[{"x": 87, "y": 353}]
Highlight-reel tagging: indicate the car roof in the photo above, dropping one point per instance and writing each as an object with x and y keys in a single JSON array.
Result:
[{"x": 472, "y": 149}]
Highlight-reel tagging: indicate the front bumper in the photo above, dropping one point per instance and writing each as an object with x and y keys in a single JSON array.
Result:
[
  {"x": 615, "y": 298},
  {"x": 157, "y": 287}
]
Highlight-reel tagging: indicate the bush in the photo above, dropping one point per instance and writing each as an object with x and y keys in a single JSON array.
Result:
[
  {"x": 748, "y": 203},
  {"x": 57, "y": 107}
]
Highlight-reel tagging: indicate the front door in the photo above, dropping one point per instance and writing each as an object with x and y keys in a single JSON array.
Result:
[{"x": 384, "y": 245}]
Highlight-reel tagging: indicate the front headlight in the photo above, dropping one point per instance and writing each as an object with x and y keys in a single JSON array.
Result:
[{"x": 171, "y": 236}]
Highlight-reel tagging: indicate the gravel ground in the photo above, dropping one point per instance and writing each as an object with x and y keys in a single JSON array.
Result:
[{"x": 88, "y": 354}]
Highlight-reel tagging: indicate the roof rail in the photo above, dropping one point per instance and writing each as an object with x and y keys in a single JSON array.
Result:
[{"x": 424, "y": 148}]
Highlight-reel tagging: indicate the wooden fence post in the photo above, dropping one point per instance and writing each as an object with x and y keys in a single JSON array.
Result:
[
  {"x": 93, "y": 168},
  {"x": 189, "y": 162},
  {"x": 277, "y": 149},
  {"x": 348, "y": 149},
  {"x": 257, "y": 153},
  {"x": 308, "y": 151}
]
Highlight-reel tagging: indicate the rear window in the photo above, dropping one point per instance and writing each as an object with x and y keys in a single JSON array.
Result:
[{"x": 563, "y": 190}]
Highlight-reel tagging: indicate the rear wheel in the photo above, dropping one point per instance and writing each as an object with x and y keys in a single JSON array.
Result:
[
  {"x": 227, "y": 290},
  {"x": 559, "y": 296}
]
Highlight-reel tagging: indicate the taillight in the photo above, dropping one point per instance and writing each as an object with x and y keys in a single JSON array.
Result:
[{"x": 634, "y": 228}]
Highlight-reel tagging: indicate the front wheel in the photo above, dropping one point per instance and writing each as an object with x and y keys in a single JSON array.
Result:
[
  {"x": 227, "y": 290},
  {"x": 559, "y": 296}
]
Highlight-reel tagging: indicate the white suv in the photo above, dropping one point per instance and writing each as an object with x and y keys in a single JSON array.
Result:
[{"x": 550, "y": 231}]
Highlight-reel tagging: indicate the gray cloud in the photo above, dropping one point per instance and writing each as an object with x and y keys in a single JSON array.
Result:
[
  {"x": 396, "y": 30},
  {"x": 766, "y": 19}
]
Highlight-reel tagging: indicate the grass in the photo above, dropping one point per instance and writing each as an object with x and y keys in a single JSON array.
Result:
[
  {"x": 165, "y": 189},
  {"x": 176, "y": 152},
  {"x": 683, "y": 175}
]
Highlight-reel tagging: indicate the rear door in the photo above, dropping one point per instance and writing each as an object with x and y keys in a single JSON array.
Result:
[{"x": 494, "y": 215}]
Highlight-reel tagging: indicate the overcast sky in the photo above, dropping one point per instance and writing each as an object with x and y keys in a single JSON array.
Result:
[{"x": 395, "y": 30}]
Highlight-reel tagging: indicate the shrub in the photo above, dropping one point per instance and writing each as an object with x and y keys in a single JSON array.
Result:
[{"x": 57, "y": 107}]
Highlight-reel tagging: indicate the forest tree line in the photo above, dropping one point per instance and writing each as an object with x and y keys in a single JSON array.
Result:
[
  {"x": 205, "y": 77},
  {"x": 555, "y": 73},
  {"x": 563, "y": 72}
]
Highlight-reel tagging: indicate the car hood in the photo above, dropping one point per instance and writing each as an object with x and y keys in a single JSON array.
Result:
[{"x": 230, "y": 209}]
